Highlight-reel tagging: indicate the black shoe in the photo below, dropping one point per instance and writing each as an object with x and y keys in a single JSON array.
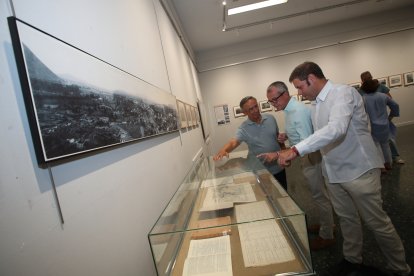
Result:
[
  {"x": 343, "y": 268},
  {"x": 367, "y": 270}
]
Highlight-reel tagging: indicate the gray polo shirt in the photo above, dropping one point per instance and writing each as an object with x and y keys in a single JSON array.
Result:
[{"x": 261, "y": 138}]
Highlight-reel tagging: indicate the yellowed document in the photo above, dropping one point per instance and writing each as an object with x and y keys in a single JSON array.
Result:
[
  {"x": 216, "y": 181},
  {"x": 224, "y": 196},
  {"x": 253, "y": 211},
  {"x": 263, "y": 243},
  {"x": 209, "y": 257},
  {"x": 244, "y": 175}
]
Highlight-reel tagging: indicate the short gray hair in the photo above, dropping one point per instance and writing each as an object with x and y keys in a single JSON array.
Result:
[{"x": 280, "y": 86}]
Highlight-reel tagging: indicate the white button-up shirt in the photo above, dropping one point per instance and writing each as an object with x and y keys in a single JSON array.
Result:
[{"x": 341, "y": 134}]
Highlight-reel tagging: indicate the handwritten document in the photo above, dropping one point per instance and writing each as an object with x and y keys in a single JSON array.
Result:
[
  {"x": 224, "y": 196},
  {"x": 209, "y": 257},
  {"x": 263, "y": 243},
  {"x": 253, "y": 211}
]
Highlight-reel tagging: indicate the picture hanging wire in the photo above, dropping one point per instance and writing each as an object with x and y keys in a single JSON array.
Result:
[
  {"x": 55, "y": 194},
  {"x": 12, "y": 8}
]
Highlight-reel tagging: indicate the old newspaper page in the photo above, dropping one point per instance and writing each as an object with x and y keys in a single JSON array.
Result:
[
  {"x": 209, "y": 257},
  {"x": 263, "y": 243}
]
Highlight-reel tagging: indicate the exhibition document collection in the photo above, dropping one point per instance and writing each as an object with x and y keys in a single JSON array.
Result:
[{"x": 261, "y": 238}]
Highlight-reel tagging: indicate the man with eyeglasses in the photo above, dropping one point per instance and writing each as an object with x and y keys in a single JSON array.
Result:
[
  {"x": 298, "y": 126},
  {"x": 351, "y": 164},
  {"x": 259, "y": 132}
]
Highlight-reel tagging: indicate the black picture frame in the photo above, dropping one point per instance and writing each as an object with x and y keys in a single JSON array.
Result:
[
  {"x": 203, "y": 120},
  {"x": 77, "y": 103}
]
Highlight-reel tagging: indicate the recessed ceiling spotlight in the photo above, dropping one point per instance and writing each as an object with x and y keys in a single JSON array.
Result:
[{"x": 255, "y": 6}]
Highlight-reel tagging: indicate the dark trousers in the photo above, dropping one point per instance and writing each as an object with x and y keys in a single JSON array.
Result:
[{"x": 281, "y": 178}]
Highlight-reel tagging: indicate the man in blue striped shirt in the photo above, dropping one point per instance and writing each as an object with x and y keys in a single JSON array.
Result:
[{"x": 298, "y": 126}]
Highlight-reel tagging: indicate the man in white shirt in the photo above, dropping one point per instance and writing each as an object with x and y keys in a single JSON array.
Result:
[{"x": 351, "y": 162}]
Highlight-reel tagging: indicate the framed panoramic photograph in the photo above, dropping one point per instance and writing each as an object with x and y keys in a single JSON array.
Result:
[
  {"x": 181, "y": 112},
  {"x": 395, "y": 80},
  {"x": 265, "y": 106},
  {"x": 77, "y": 103},
  {"x": 383, "y": 81},
  {"x": 408, "y": 78},
  {"x": 238, "y": 112}
]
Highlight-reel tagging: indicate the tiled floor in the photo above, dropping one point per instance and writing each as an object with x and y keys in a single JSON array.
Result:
[{"x": 398, "y": 197}]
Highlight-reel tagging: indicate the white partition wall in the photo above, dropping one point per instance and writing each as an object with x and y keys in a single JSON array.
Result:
[
  {"x": 385, "y": 49},
  {"x": 110, "y": 199}
]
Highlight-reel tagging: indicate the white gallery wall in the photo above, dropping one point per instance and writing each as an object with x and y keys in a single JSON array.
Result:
[
  {"x": 109, "y": 199},
  {"x": 385, "y": 49}
]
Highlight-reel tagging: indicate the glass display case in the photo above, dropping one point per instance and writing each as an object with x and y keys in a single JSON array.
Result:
[{"x": 231, "y": 218}]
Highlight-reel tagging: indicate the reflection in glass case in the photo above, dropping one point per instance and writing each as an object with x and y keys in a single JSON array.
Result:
[{"x": 231, "y": 219}]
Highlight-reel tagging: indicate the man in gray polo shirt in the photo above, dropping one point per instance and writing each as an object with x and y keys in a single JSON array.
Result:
[{"x": 259, "y": 132}]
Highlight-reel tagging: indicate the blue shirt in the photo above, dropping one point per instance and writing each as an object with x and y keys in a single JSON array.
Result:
[
  {"x": 261, "y": 138},
  {"x": 376, "y": 106},
  {"x": 381, "y": 88},
  {"x": 298, "y": 121},
  {"x": 342, "y": 135}
]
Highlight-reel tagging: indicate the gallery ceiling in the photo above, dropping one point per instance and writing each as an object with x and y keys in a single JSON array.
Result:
[{"x": 205, "y": 25}]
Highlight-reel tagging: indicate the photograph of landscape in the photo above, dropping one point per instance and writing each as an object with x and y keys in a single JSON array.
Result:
[{"x": 82, "y": 104}]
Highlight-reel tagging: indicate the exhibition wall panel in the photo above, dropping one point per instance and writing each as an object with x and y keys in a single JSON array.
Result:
[{"x": 109, "y": 200}]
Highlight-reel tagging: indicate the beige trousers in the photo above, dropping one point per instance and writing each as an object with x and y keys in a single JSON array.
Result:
[
  {"x": 359, "y": 200},
  {"x": 311, "y": 169}
]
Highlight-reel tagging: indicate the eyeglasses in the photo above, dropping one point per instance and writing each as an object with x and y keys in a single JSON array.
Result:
[{"x": 274, "y": 100}]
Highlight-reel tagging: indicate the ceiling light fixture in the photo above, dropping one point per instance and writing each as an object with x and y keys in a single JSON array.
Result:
[{"x": 255, "y": 6}]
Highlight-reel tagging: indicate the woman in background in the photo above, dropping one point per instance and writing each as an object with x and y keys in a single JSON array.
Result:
[{"x": 376, "y": 106}]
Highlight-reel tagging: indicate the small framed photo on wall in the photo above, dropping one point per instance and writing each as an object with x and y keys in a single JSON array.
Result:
[
  {"x": 265, "y": 106},
  {"x": 188, "y": 115},
  {"x": 181, "y": 112},
  {"x": 193, "y": 115},
  {"x": 395, "y": 80},
  {"x": 408, "y": 78},
  {"x": 383, "y": 81},
  {"x": 238, "y": 112}
]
